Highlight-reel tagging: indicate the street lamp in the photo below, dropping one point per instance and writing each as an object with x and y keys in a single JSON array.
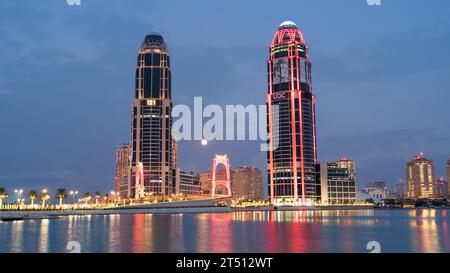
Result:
[
  {"x": 113, "y": 193},
  {"x": 44, "y": 197},
  {"x": 19, "y": 194},
  {"x": 73, "y": 193}
]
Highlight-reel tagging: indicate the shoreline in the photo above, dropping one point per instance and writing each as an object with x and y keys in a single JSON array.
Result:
[{"x": 6, "y": 216}]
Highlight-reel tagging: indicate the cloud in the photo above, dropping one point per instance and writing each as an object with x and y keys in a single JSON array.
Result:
[
  {"x": 6, "y": 92},
  {"x": 387, "y": 56},
  {"x": 60, "y": 175},
  {"x": 55, "y": 38}
]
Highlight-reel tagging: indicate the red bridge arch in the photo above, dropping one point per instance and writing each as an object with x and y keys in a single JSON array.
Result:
[{"x": 225, "y": 161}]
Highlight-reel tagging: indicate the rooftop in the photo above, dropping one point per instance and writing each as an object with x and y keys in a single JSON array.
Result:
[{"x": 287, "y": 24}]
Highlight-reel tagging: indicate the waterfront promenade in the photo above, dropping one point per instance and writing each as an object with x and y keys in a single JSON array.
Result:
[{"x": 197, "y": 206}]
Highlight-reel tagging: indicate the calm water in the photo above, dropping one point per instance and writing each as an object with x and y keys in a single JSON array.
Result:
[{"x": 422, "y": 230}]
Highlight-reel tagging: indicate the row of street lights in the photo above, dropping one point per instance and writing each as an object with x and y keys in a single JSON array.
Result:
[{"x": 44, "y": 196}]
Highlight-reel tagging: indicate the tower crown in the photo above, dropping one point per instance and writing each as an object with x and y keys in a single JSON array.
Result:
[
  {"x": 287, "y": 33},
  {"x": 154, "y": 40}
]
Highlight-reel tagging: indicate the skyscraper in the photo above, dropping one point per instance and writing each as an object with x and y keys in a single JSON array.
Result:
[
  {"x": 123, "y": 170},
  {"x": 246, "y": 182},
  {"x": 441, "y": 188},
  {"x": 291, "y": 119},
  {"x": 153, "y": 169},
  {"x": 448, "y": 176},
  {"x": 400, "y": 188},
  {"x": 420, "y": 177}
]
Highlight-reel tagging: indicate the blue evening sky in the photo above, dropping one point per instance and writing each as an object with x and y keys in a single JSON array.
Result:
[{"x": 380, "y": 74}]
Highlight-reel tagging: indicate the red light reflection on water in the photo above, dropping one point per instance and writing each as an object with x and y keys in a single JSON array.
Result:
[
  {"x": 138, "y": 233},
  {"x": 221, "y": 233}
]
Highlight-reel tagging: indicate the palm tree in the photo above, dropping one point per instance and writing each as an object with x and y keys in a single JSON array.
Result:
[
  {"x": 97, "y": 197},
  {"x": 32, "y": 195},
  {"x": 3, "y": 195},
  {"x": 61, "y": 194},
  {"x": 87, "y": 197}
]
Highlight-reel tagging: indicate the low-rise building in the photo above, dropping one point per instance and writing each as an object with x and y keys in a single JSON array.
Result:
[
  {"x": 187, "y": 183},
  {"x": 376, "y": 192}
]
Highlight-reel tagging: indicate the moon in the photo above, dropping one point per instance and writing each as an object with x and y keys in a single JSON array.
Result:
[{"x": 204, "y": 142}]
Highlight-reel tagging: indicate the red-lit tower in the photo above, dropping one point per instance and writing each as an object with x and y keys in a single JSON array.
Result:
[{"x": 291, "y": 120}]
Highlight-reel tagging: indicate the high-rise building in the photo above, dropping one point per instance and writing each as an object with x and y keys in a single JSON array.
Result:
[
  {"x": 337, "y": 184},
  {"x": 400, "y": 188},
  {"x": 247, "y": 183},
  {"x": 123, "y": 170},
  {"x": 448, "y": 176},
  {"x": 291, "y": 119},
  {"x": 420, "y": 177},
  {"x": 153, "y": 169},
  {"x": 441, "y": 188}
]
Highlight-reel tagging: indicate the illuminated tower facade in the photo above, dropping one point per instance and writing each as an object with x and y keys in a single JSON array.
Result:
[
  {"x": 420, "y": 178},
  {"x": 291, "y": 120},
  {"x": 448, "y": 176},
  {"x": 153, "y": 168}
]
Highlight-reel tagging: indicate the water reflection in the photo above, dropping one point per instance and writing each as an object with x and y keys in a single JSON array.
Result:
[
  {"x": 43, "y": 236},
  {"x": 363, "y": 217},
  {"x": 421, "y": 230},
  {"x": 425, "y": 225},
  {"x": 17, "y": 237}
]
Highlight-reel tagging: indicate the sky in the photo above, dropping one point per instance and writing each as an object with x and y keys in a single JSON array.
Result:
[{"x": 380, "y": 76}]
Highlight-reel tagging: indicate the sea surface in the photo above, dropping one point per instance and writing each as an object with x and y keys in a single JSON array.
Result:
[{"x": 390, "y": 230}]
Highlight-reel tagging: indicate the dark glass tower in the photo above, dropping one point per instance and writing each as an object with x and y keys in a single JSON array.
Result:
[
  {"x": 291, "y": 120},
  {"x": 152, "y": 159}
]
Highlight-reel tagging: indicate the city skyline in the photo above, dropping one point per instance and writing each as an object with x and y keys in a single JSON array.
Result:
[{"x": 88, "y": 160}]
